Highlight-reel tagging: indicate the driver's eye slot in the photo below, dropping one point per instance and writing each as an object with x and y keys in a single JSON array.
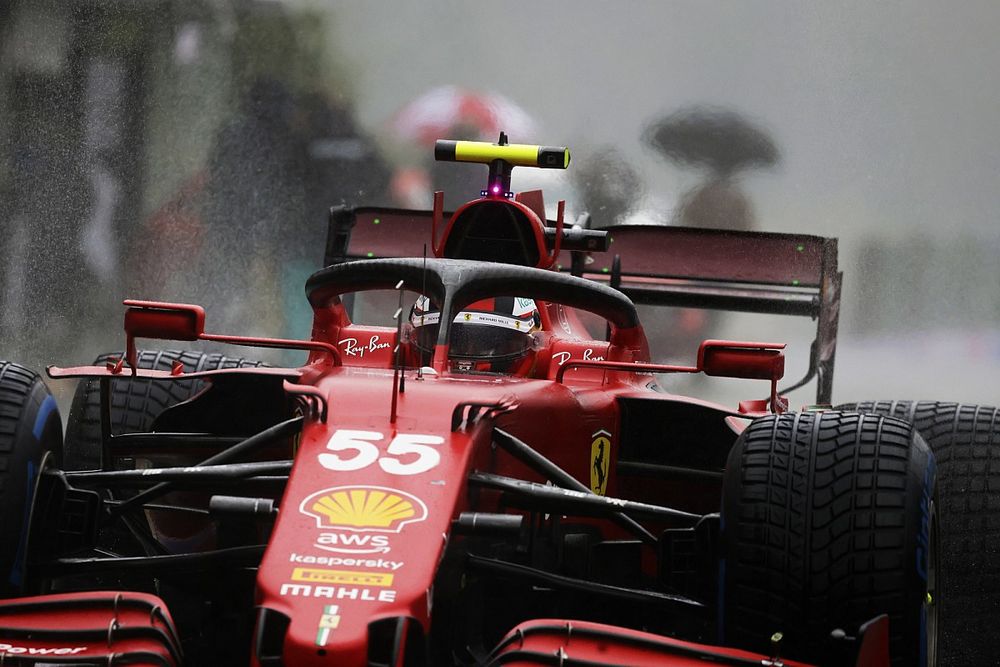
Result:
[
  {"x": 424, "y": 338},
  {"x": 423, "y": 322}
]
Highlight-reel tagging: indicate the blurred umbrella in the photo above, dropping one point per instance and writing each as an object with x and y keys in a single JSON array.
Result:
[
  {"x": 723, "y": 142},
  {"x": 440, "y": 111},
  {"x": 719, "y": 139}
]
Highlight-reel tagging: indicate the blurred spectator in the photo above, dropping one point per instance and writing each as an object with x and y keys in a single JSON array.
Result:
[
  {"x": 173, "y": 240},
  {"x": 254, "y": 200},
  {"x": 457, "y": 113},
  {"x": 343, "y": 165},
  {"x": 256, "y": 177},
  {"x": 609, "y": 186},
  {"x": 45, "y": 279},
  {"x": 274, "y": 170},
  {"x": 722, "y": 143}
]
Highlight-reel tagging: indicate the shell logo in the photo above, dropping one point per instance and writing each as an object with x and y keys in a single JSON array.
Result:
[{"x": 364, "y": 508}]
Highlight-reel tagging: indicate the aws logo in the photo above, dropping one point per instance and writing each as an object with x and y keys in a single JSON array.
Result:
[{"x": 364, "y": 508}]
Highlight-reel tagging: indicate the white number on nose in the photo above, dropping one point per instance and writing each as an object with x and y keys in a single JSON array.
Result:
[{"x": 397, "y": 460}]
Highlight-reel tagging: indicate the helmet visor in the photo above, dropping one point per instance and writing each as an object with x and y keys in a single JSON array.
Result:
[
  {"x": 486, "y": 342},
  {"x": 475, "y": 341},
  {"x": 478, "y": 335}
]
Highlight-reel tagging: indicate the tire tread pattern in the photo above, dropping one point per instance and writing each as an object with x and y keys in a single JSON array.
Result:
[
  {"x": 24, "y": 439},
  {"x": 135, "y": 403},
  {"x": 16, "y": 384},
  {"x": 821, "y": 508},
  {"x": 965, "y": 440}
]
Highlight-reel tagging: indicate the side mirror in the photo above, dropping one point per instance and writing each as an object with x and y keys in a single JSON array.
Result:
[
  {"x": 169, "y": 321},
  {"x": 183, "y": 321},
  {"x": 738, "y": 359},
  {"x": 166, "y": 321}
]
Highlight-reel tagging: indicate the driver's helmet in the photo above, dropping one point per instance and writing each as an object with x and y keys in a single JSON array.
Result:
[{"x": 493, "y": 335}]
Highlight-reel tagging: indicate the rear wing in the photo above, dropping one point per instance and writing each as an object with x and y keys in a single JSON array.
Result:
[
  {"x": 756, "y": 272},
  {"x": 371, "y": 232}
]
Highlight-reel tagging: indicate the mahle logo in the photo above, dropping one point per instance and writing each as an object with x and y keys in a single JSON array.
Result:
[{"x": 364, "y": 508}]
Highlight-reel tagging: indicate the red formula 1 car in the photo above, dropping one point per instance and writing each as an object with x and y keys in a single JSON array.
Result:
[{"x": 477, "y": 466}]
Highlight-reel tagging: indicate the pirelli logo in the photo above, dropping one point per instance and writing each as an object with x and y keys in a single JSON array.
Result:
[{"x": 318, "y": 576}]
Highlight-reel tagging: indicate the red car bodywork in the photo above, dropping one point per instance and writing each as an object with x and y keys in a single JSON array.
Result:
[{"x": 394, "y": 466}]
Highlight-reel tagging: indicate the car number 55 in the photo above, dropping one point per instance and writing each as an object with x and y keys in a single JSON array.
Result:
[{"x": 358, "y": 449}]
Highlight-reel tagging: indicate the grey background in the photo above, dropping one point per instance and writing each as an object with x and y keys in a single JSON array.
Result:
[{"x": 884, "y": 114}]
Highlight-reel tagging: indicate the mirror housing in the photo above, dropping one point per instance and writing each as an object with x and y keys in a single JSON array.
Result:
[
  {"x": 738, "y": 359},
  {"x": 165, "y": 321}
]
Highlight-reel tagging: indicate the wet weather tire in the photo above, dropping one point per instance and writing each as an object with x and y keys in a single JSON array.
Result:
[
  {"x": 135, "y": 403},
  {"x": 828, "y": 520},
  {"x": 965, "y": 440},
  {"x": 29, "y": 426}
]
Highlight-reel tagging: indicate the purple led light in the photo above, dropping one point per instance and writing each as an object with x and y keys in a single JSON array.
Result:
[{"x": 496, "y": 189}]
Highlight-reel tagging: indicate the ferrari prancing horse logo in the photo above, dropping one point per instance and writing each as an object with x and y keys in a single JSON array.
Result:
[{"x": 600, "y": 460}]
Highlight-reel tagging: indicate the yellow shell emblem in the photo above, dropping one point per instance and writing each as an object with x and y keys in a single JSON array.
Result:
[{"x": 364, "y": 507}]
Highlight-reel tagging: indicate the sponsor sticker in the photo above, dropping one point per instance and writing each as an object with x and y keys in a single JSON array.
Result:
[
  {"x": 355, "y": 519},
  {"x": 364, "y": 508},
  {"x": 523, "y": 306},
  {"x": 600, "y": 460},
  {"x": 562, "y": 357},
  {"x": 318, "y": 576},
  {"x": 352, "y": 543},
  {"x": 588, "y": 355},
  {"x": 328, "y": 622},
  {"x": 344, "y": 561},
  {"x": 477, "y": 317},
  {"x": 352, "y": 349},
  {"x": 338, "y": 592},
  {"x": 12, "y": 649}
]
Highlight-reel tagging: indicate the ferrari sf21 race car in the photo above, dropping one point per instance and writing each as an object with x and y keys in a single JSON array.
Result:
[{"x": 477, "y": 465}]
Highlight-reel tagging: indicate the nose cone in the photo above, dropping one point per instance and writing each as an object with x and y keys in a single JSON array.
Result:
[{"x": 363, "y": 523}]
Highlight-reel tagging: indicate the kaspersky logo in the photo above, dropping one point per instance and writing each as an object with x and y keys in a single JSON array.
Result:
[{"x": 364, "y": 509}]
